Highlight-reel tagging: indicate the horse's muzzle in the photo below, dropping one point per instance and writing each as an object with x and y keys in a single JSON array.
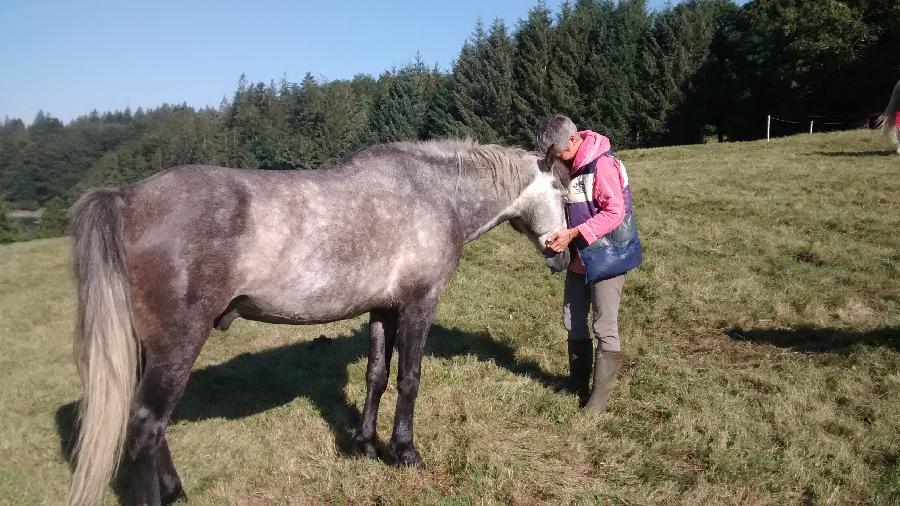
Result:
[{"x": 558, "y": 262}]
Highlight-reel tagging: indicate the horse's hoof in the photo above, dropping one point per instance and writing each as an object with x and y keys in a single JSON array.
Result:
[
  {"x": 171, "y": 491},
  {"x": 406, "y": 455},
  {"x": 174, "y": 497},
  {"x": 365, "y": 449}
]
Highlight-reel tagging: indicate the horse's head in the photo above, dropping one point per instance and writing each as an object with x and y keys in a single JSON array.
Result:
[{"x": 540, "y": 211}]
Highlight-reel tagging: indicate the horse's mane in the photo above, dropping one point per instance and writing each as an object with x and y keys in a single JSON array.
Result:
[{"x": 503, "y": 165}]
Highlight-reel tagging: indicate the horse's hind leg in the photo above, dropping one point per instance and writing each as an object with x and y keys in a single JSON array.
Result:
[
  {"x": 414, "y": 322},
  {"x": 167, "y": 366},
  {"x": 382, "y": 330}
]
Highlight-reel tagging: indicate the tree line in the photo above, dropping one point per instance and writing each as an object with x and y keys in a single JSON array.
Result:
[{"x": 689, "y": 72}]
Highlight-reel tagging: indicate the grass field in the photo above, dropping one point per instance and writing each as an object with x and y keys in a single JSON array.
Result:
[{"x": 762, "y": 336}]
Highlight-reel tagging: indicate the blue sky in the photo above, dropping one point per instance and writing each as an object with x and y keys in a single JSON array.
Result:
[{"x": 67, "y": 57}]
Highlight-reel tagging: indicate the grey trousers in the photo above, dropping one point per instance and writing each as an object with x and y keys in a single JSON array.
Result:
[{"x": 603, "y": 298}]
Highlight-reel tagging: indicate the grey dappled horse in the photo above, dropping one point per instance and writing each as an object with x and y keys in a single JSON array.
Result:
[{"x": 162, "y": 262}]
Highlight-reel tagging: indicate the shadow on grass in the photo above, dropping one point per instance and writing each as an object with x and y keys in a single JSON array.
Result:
[
  {"x": 874, "y": 152},
  {"x": 252, "y": 383},
  {"x": 66, "y": 426},
  {"x": 819, "y": 340}
]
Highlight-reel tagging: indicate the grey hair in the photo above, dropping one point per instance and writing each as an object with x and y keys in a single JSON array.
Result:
[{"x": 554, "y": 132}]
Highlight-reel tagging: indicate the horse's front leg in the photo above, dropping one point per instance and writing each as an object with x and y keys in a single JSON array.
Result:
[
  {"x": 382, "y": 330},
  {"x": 413, "y": 324}
]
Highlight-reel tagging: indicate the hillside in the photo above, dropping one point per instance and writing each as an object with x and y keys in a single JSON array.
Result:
[{"x": 762, "y": 335}]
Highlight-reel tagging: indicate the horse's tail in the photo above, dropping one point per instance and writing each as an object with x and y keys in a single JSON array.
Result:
[
  {"x": 107, "y": 351},
  {"x": 890, "y": 115}
]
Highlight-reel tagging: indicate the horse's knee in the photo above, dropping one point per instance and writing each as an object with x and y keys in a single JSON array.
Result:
[
  {"x": 149, "y": 414},
  {"x": 378, "y": 379},
  {"x": 146, "y": 432},
  {"x": 408, "y": 385}
]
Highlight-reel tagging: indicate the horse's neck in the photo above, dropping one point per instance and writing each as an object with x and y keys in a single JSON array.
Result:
[{"x": 485, "y": 206}]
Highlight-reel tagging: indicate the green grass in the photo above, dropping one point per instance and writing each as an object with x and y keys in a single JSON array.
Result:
[{"x": 762, "y": 335}]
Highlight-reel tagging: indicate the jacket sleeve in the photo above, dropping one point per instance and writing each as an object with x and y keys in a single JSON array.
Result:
[{"x": 610, "y": 201}]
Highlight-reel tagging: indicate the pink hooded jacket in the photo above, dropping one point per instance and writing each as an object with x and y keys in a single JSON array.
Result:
[{"x": 608, "y": 188}]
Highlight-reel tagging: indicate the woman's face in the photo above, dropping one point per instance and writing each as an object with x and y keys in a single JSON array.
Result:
[{"x": 569, "y": 153}]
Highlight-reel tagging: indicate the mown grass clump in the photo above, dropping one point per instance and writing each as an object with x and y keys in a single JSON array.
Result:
[{"x": 762, "y": 336}]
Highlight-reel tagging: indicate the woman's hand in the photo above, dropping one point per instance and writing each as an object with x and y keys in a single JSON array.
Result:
[{"x": 559, "y": 241}]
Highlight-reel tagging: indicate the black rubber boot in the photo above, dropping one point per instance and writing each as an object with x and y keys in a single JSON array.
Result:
[
  {"x": 581, "y": 358},
  {"x": 606, "y": 365}
]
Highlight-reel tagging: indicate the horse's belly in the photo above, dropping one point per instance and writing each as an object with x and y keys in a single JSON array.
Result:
[{"x": 311, "y": 305}]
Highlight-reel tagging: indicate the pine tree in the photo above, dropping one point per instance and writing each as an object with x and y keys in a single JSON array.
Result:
[
  {"x": 304, "y": 119},
  {"x": 338, "y": 122},
  {"x": 399, "y": 113},
  {"x": 483, "y": 88},
  {"x": 441, "y": 115},
  {"x": 469, "y": 91},
  {"x": 498, "y": 87},
  {"x": 307, "y": 97},
  {"x": 685, "y": 37},
  {"x": 245, "y": 123},
  {"x": 611, "y": 79},
  {"x": 45, "y": 160},
  {"x": 531, "y": 101},
  {"x": 567, "y": 62}
]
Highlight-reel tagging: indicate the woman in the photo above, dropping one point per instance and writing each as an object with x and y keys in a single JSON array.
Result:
[{"x": 598, "y": 207}]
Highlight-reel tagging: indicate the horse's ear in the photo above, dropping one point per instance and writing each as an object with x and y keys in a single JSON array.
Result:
[
  {"x": 549, "y": 159},
  {"x": 561, "y": 173}
]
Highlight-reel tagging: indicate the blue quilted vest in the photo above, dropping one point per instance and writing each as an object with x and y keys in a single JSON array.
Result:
[{"x": 620, "y": 250}]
